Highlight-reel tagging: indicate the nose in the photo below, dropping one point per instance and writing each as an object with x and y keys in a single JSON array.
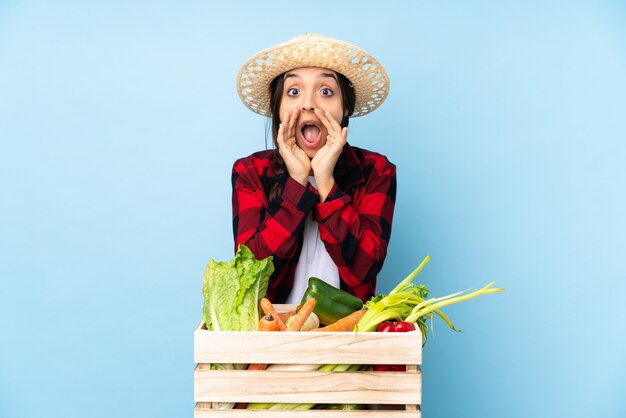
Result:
[{"x": 308, "y": 102}]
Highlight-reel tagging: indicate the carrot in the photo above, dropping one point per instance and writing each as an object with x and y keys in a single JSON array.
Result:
[
  {"x": 345, "y": 324},
  {"x": 296, "y": 321},
  {"x": 286, "y": 315},
  {"x": 268, "y": 323},
  {"x": 267, "y": 308},
  {"x": 257, "y": 366}
]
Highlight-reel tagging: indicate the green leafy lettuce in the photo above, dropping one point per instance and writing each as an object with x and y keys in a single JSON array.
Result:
[{"x": 232, "y": 290}]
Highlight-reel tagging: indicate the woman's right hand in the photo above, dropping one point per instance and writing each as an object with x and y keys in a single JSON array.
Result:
[{"x": 297, "y": 162}]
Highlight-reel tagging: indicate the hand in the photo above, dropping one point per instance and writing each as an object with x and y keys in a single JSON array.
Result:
[
  {"x": 323, "y": 164},
  {"x": 297, "y": 162}
]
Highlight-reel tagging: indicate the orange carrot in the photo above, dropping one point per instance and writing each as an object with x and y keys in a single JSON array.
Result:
[
  {"x": 286, "y": 315},
  {"x": 345, "y": 324},
  {"x": 268, "y": 323},
  {"x": 268, "y": 308},
  {"x": 257, "y": 366},
  {"x": 296, "y": 321}
]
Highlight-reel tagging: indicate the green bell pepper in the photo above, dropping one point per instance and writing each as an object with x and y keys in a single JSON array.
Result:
[{"x": 331, "y": 304}]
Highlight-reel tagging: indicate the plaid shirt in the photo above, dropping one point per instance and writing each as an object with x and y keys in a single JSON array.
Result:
[{"x": 354, "y": 220}]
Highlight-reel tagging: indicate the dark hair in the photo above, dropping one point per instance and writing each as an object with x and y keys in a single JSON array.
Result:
[{"x": 348, "y": 99}]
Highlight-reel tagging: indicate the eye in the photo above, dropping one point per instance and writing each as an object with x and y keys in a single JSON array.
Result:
[
  {"x": 293, "y": 91},
  {"x": 326, "y": 92}
]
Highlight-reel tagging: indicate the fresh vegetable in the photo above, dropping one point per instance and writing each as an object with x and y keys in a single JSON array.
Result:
[
  {"x": 386, "y": 327},
  {"x": 286, "y": 315},
  {"x": 295, "y": 322},
  {"x": 268, "y": 308},
  {"x": 293, "y": 367},
  {"x": 312, "y": 322},
  {"x": 401, "y": 326},
  {"x": 345, "y": 324},
  {"x": 232, "y": 291},
  {"x": 268, "y": 323},
  {"x": 231, "y": 297},
  {"x": 332, "y": 304},
  {"x": 408, "y": 302},
  {"x": 404, "y": 326},
  {"x": 281, "y": 406},
  {"x": 343, "y": 407}
]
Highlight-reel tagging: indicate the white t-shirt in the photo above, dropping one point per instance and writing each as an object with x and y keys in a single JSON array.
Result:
[{"x": 314, "y": 260}]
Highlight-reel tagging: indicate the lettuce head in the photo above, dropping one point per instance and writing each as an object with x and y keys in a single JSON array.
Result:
[{"x": 232, "y": 290}]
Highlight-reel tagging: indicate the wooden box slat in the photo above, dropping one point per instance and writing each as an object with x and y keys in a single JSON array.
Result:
[
  {"x": 319, "y": 413},
  {"x": 242, "y": 413},
  {"x": 307, "y": 348},
  {"x": 308, "y": 387}
]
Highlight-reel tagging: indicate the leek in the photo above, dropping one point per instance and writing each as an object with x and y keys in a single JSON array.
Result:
[{"x": 408, "y": 302}]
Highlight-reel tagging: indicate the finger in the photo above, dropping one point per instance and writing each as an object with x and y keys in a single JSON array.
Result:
[
  {"x": 284, "y": 116},
  {"x": 324, "y": 119},
  {"x": 280, "y": 140},
  {"x": 283, "y": 127},
  {"x": 286, "y": 120},
  {"x": 285, "y": 145},
  {"x": 295, "y": 114},
  {"x": 344, "y": 135},
  {"x": 333, "y": 122},
  {"x": 289, "y": 136},
  {"x": 279, "y": 135},
  {"x": 293, "y": 120}
]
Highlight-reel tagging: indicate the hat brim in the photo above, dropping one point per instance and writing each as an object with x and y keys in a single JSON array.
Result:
[{"x": 367, "y": 76}]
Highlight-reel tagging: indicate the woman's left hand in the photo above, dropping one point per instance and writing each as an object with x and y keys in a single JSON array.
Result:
[{"x": 323, "y": 164}]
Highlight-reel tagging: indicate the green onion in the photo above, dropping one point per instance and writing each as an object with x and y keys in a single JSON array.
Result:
[{"x": 408, "y": 302}]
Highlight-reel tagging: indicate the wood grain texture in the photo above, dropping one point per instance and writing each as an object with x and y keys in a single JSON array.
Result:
[
  {"x": 307, "y": 387},
  {"x": 244, "y": 413},
  {"x": 307, "y": 348},
  {"x": 267, "y": 386}
]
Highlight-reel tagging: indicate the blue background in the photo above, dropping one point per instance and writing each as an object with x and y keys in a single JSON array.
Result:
[{"x": 119, "y": 123}]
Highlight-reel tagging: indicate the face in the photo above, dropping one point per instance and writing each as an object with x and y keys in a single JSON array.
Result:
[{"x": 306, "y": 89}]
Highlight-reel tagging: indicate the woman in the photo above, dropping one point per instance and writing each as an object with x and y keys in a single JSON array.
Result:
[{"x": 318, "y": 205}]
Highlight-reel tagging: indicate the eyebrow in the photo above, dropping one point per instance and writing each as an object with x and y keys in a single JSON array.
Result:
[{"x": 293, "y": 75}]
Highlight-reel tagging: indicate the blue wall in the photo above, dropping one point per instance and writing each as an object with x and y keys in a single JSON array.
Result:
[{"x": 118, "y": 127}]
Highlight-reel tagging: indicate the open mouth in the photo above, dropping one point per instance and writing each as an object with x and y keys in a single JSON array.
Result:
[{"x": 311, "y": 132}]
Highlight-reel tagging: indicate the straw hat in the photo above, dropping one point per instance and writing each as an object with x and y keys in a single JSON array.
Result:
[{"x": 369, "y": 78}]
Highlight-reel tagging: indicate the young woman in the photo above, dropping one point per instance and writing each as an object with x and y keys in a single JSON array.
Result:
[{"x": 318, "y": 205}]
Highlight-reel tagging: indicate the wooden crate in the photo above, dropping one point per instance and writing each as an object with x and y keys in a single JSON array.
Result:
[{"x": 378, "y": 390}]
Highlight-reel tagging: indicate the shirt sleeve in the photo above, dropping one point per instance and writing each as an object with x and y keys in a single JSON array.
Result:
[
  {"x": 269, "y": 227},
  {"x": 356, "y": 231}
]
